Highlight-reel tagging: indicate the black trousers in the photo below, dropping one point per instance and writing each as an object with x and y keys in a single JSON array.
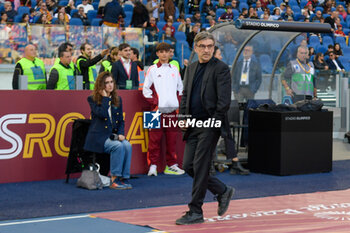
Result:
[
  {"x": 200, "y": 145},
  {"x": 230, "y": 146}
]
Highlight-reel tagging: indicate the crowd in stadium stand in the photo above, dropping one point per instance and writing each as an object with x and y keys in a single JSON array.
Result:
[{"x": 180, "y": 20}]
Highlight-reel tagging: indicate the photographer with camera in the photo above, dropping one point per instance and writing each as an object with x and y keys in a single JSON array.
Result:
[{"x": 106, "y": 132}]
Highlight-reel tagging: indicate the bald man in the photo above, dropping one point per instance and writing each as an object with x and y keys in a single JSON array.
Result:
[{"x": 32, "y": 67}]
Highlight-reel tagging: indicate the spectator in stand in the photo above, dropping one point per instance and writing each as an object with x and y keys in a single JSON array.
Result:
[
  {"x": 331, "y": 20},
  {"x": 51, "y": 6},
  {"x": 318, "y": 16},
  {"x": 3, "y": 18},
  {"x": 314, "y": 3},
  {"x": 307, "y": 11},
  {"x": 11, "y": 13},
  {"x": 86, "y": 6},
  {"x": 283, "y": 7},
  {"x": 276, "y": 13},
  {"x": 194, "y": 6},
  {"x": 212, "y": 22},
  {"x": 153, "y": 9},
  {"x": 208, "y": 9},
  {"x": 264, "y": 3},
  {"x": 327, "y": 7},
  {"x": 337, "y": 50},
  {"x": 266, "y": 15},
  {"x": 25, "y": 18},
  {"x": 168, "y": 36},
  {"x": 150, "y": 41},
  {"x": 319, "y": 62},
  {"x": 61, "y": 19},
  {"x": 62, "y": 9},
  {"x": 31, "y": 15},
  {"x": 70, "y": 6},
  {"x": 192, "y": 35},
  {"x": 334, "y": 63},
  {"x": 245, "y": 13},
  {"x": 124, "y": 70},
  {"x": 311, "y": 51},
  {"x": 43, "y": 20},
  {"x": 227, "y": 16},
  {"x": 112, "y": 12},
  {"x": 252, "y": 14},
  {"x": 339, "y": 31},
  {"x": 196, "y": 18},
  {"x": 134, "y": 56},
  {"x": 169, "y": 9},
  {"x": 106, "y": 65},
  {"x": 329, "y": 50},
  {"x": 152, "y": 25},
  {"x": 169, "y": 24},
  {"x": 258, "y": 6},
  {"x": 80, "y": 14},
  {"x": 140, "y": 16},
  {"x": 44, "y": 11},
  {"x": 221, "y": 5},
  {"x": 161, "y": 89},
  {"x": 32, "y": 67},
  {"x": 185, "y": 27},
  {"x": 86, "y": 64},
  {"x": 289, "y": 14},
  {"x": 235, "y": 4}
]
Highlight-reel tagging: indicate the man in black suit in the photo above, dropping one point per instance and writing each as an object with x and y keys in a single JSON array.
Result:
[
  {"x": 334, "y": 63},
  {"x": 206, "y": 98},
  {"x": 247, "y": 76},
  {"x": 124, "y": 70}
]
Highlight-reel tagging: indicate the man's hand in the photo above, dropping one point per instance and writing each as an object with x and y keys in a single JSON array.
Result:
[
  {"x": 121, "y": 137},
  {"x": 289, "y": 92},
  {"x": 104, "y": 52},
  {"x": 184, "y": 128}
]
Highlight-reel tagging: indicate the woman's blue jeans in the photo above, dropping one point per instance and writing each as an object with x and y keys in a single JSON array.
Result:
[{"x": 120, "y": 152}]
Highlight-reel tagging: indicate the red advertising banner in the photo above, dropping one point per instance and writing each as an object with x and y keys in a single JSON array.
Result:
[{"x": 36, "y": 127}]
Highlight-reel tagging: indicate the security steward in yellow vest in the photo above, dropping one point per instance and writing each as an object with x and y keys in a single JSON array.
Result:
[
  {"x": 32, "y": 67},
  {"x": 87, "y": 65},
  {"x": 62, "y": 76},
  {"x": 106, "y": 65},
  {"x": 66, "y": 46}
]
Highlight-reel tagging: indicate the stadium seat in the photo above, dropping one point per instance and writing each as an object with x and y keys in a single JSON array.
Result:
[
  {"x": 219, "y": 12},
  {"x": 266, "y": 63},
  {"x": 36, "y": 18},
  {"x": 78, "y": 2},
  {"x": 73, "y": 11},
  {"x": 17, "y": 19},
  {"x": 319, "y": 8},
  {"x": 296, "y": 9},
  {"x": 303, "y": 3},
  {"x": 63, "y": 3},
  {"x": 180, "y": 36},
  {"x": 91, "y": 14},
  {"x": 188, "y": 16},
  {"x": 95, "y": 5},
  {"x": 243, "y": 5},
  {"x": 259, "y": 13},
  {"x": 346, "y": 51},
  {"x": 327, "y": 40},
  {"x": 345, "y": 61},
  {"x": 33, "y": 3},
  {"x": 321, "y": 49},
  {"x": 182, "y": 51},
  {"x": 54, "y": 20},
  {"x": 228, "y": 53},
  {"x": 128, "y": 7},
  {"x": 341, "y": 40},
  {"x": 177, "y": 13},
  {"x": 96, "y": 22},
  {"x": 271, "y": 7},
  {"x": 75, "y": 21},
  {"x": 314, "y": 41},
  {"x": 22, "y": 10},
  {"x": 235, "y": 13},
  {"x": 176, "y": 25}
]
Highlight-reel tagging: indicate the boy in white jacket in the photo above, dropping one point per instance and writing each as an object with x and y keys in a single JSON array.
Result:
[{"x": 161, "y": 89}]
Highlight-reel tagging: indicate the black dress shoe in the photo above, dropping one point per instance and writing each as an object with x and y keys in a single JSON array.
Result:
[
  {"x": 190, "y": 218},
  {"x": 224, "y": 200},
  {"x": 236, "y": 168}
]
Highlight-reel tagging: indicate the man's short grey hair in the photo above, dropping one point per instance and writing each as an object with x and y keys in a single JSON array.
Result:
[{"x": 203, "y": 36}]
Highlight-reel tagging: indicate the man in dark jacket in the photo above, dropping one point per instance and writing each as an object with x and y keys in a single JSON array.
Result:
[
  {"x": 112, "y": 12},
  {"x": 207, "y": 85}
]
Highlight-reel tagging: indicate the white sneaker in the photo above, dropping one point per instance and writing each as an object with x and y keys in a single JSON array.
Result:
[
  {"x": 173, "y": 170},
  {"x": 152, "y": 170}
]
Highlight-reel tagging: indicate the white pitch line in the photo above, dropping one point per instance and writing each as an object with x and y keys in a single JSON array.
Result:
[{"x": 43, "y": 220}]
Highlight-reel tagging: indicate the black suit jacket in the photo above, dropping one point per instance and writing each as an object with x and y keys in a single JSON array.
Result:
[
  {"x": 332, "y": 66},
  {"x": 254, "y": 75},
  {"x": 215, "y": 91},
  {"x": 120, "y": 75}
]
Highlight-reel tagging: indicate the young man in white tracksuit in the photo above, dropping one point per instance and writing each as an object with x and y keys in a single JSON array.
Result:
[{"x": 161, "y": 88}]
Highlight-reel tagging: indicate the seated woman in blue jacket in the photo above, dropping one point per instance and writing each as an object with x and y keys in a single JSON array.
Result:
[{"x": 106, "y": 132}]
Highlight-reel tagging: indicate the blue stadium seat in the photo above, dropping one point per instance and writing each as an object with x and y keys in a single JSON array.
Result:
[
  {"x": 314, "y": 40},
  {"x": 321, "y": 49},
  {"x": 96, "y": 22},
  {"x": 160, "y": 25},
  {"x": 63, "y": 3},
  {"x": 33, "y": 3},
  {"x": 303, "y": 3},
  {"x": 346, "y": 51},
  {"x": 278, "y": 2},
  {"x": 319, "y": 8},
  {"x": 180, "y": 36},
  {"x": 271, "y": 7},
  {"x": 17, "y": 19},
  {"x": 345, "y": 61},
  {"x": 235, "y": 13},
  {"x": 161, "y": 16},
  {"x": 188, "y": 16},
  {"x": 293, "y": 3},
  {"x": 177, "y": 13},
  {"x": 91, "y": 14},
  {"x": 182, "y": 51},
  {"x": 73, "y": 11},
  {"x": 95, "y": 5},
  {"x": 78, "y": 2},
  {"x": 346, "y": 31},
  {"x": 128, "y": 18},
  {"x": 341, "y": 40},
  {"x": 128, "y": 7},
  {"x": 176, "y": 25},
  {"x": 266, "y": 63},
  {"x": 36, "y": 18},
  {"x": 243, "y": 5},
  {"x": 296, "y": 9},
  {"x": 75, "y": 21},
  {"x": 22, "y": 10},
  {"x": 219, "y": 12},
  {"x": 327, "y": 40},
  {"x": 54, "y": 20},
  {"x": 259, "y": 13},
  {"x": 228, "y": 53}
]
